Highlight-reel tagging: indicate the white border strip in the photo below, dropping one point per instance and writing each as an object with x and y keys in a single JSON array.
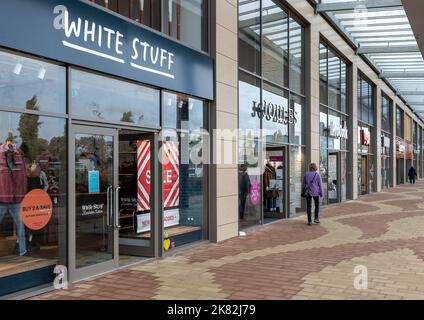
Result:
[
  {"x": 103, "y": 55},
  {"x": 152, "y": 70}
]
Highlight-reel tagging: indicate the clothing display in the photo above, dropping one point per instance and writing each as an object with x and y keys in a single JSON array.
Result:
[
  {"x": 13, "y": 187},
  {"x": 271, "y": 191},
  {"x": 13, "y": 184}
]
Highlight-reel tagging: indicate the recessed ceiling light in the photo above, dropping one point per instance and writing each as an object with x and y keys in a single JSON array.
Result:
[
  {"x": 41, "y": 73},
  {"x": 17, "y": 69}
]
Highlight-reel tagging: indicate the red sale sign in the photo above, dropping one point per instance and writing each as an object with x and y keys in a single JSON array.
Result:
[
  {"x": 171, "y": 174},
  {"x": 143, "y": 175}
]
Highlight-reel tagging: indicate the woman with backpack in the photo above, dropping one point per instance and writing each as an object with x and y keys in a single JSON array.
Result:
[{"x": 312, "y": 189}]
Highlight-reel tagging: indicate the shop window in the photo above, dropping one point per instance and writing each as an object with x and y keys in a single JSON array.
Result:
[
  {"x": 385, "y": 115},
  {"x": 277, "y": 116},
  {"x": 146, "y": 12},
  {"x": 33, "y": 193},
  {"x": 399, "y": 123},
  {"x": 296, "y": 56},
  {"x": 360, "y": 173},
  {"x": 323, "y": 74},
  {"x": 183, "y": 174},
  {"x": 372, "y": 174},
  {"x": 343, "y": 88},
  {"x": 334, "y": 126},
  {"x": 249, "y": 151},
  {"x": 249, "y": 43},
  {"x": 275, "y": 62},
  {"x": 296, "y": 133},
  {"x": 323, "y": 129},
  {"x": 186, "y": 21},
  {"x": 333, "y": 80},
  {"x": 104, "y": 99},
  {"x": 323, "y": 171},
  {"x": 366, "y": 105},
  {"x": 24, "y": 80},
  {"x": 296, "y": 174},
  {"x": 343, "y": 176}
]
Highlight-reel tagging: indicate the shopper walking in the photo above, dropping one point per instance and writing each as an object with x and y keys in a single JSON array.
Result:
[
  {"x": 412, "y": 175},
  {"x": 312, "y": 189}
]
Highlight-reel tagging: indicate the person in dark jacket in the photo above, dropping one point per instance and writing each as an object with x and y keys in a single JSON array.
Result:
[
  {"x": 412, "y": 175},
  {"x": 313, "y": 180},
  {"x": 244, "y": 188}
]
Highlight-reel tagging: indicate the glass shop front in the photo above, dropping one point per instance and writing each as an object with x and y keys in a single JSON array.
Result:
[{"x": 94, "y": 166}]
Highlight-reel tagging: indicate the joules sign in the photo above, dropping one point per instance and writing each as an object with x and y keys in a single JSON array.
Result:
[
  {"x": 274, "y": 112},
  {"x": 79, "y": 33}
]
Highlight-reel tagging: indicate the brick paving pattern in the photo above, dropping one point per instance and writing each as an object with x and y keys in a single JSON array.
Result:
[{"x": 289, "y": 260}]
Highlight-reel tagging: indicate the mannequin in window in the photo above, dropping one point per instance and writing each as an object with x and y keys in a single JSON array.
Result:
[
  {"x": 244, "y": 189},
  {"x": 271, "y": 191},
  {"x": 13, "y": 187}
]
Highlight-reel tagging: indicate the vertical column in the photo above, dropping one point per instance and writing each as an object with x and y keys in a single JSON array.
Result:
[
  {"x": 224, "y": 170},
  {"x": 378, "y": 135},
  {"x": 354, "y": 131}
]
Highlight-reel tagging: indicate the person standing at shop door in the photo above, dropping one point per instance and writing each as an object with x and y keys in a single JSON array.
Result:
[
  {"x": 412, "y": 175},
  {"x": 271, "y": 192},
  {"x": 244, "y": 189},
  {"x": 312, "y": 189}
]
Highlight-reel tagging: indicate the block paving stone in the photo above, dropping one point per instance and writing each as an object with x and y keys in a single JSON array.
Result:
[{"x": 382, "y": 232}]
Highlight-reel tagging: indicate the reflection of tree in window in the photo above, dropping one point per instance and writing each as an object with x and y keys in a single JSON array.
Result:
[
  {"x": 28, "y": 129},
  {"x": 127, "y": 117}
]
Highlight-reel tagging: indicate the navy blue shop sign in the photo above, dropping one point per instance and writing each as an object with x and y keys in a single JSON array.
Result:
[{"x": 77, "y": 33}]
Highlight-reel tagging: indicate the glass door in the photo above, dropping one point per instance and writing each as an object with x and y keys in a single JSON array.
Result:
[
  {"x": 333, "y": 180},
  {"x": 364, "y": 175},
  {"x": 94, "y": 194},
  {"x": 137, "y": 205},
  {"x": 274, "y": 190}
]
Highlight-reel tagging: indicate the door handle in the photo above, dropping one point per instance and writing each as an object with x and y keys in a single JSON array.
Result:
[
  {"x": 109, "y": 207},
  {"x": 117, "y": 225}
]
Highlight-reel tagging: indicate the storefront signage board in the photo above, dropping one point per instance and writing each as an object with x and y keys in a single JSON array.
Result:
[{"x": 77, "y": 33}]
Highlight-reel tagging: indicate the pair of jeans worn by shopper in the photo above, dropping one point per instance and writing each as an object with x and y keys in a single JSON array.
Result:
[{"x": 313, "y": 180}]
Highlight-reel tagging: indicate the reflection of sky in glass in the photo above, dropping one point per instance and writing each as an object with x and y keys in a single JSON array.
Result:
[
  {"x": 102, "y": 98},
  {"x": 48, "y": 128},
  {"x": 247, "y": 94},
  {"x": 21, "y": 79},
  {"x": 298, "y": 124},
  {"x": 173, "y": 102},
  {"x": 269, "y": 126},
  {"x": 334, "y": 123}
]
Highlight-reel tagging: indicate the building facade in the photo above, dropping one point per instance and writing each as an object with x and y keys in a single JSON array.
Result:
[{"x": 134, "y": 128}]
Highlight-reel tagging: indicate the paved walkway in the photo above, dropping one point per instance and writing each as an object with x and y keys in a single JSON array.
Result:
[{"x": 289, "y": 260}]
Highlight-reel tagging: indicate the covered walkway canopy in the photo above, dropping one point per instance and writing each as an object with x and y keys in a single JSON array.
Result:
[{"x": 381, "y": 31}]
